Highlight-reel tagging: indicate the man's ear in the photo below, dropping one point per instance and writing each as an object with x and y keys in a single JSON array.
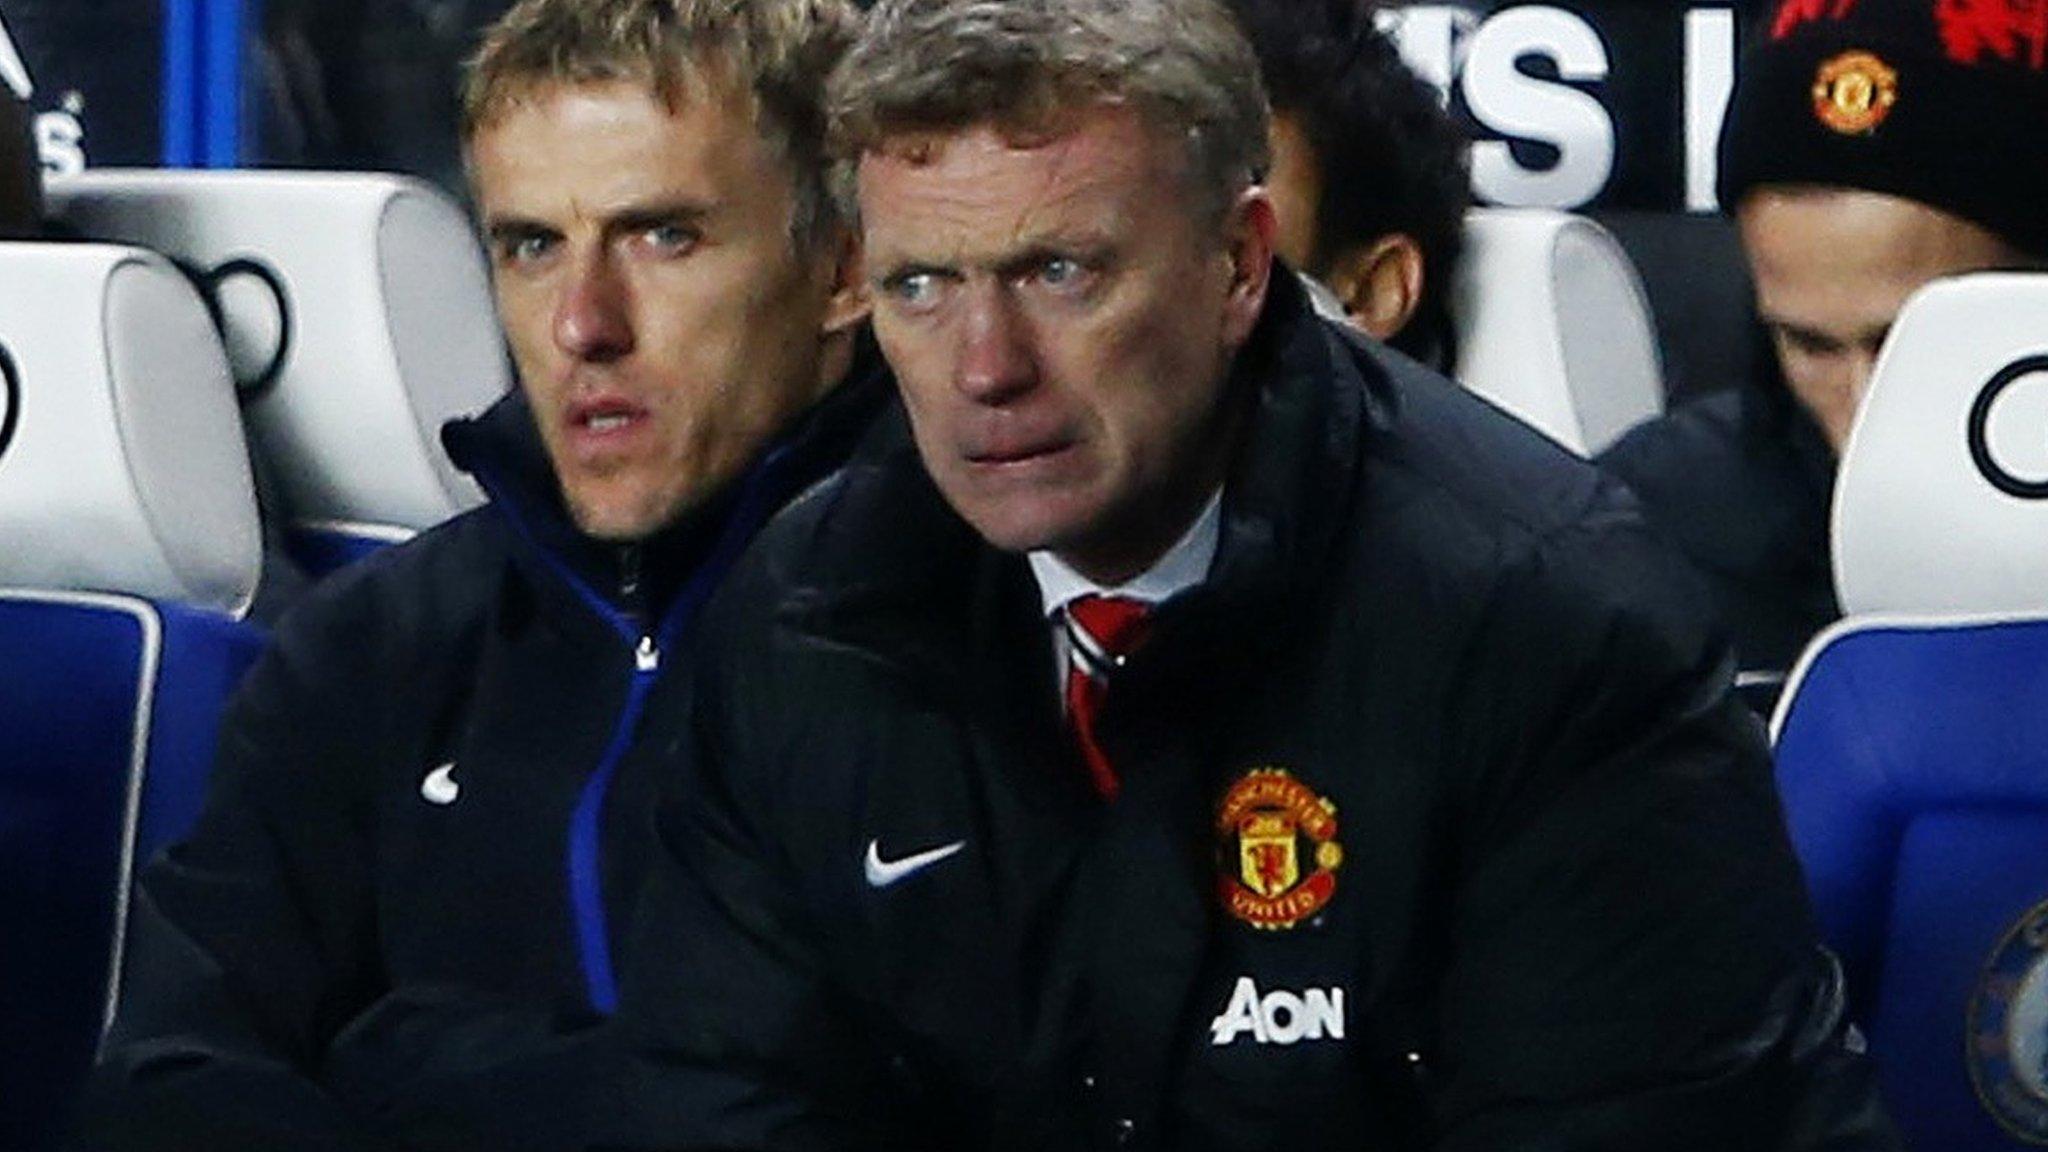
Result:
[
  {"x": 1251, "y": 229},
  {"x": 1380, "y": 284},
  {"x": 848, "y": 304}
]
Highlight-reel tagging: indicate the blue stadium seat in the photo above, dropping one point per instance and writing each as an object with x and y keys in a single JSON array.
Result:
[
  {"x": 1914, "y": 765},
  {"x": 358, "y": 319},
  {"x": 1912, "y": 741},
  {"x": 131, "y": 551}
]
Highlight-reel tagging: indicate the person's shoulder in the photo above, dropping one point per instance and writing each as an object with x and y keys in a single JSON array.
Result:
[
  {"x": 1461, "y": 468},
  {"x": 1556, "y": 543},
  {"x": 390, "y": 636},
  {"x": 1691, "y": 446},
  {"x": 1586, "y": 599},
  {"x": 1730, "y": 484},
  {"x": 875, "y": 528},
  {"x": 417, "y": 594}
]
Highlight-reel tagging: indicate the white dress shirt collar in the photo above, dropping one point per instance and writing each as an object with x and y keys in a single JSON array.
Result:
[{"x": 1184, "y": 565}]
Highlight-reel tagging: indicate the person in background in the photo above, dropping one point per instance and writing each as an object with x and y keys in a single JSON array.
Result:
[
  {"x": 397, "y": 913},
  {"x": 1193, "y": 726},
  {"x": 1868, "y": 149},
  {"x": 363, "y": 83},
  {"x": 1370, "y": 176}
]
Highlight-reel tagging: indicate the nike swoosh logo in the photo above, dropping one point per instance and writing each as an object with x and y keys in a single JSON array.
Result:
[
  {"x": 440, "y": 786},
  {"x": 882, "y": 873}
]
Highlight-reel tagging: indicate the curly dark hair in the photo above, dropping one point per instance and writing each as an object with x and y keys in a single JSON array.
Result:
[{"x": 1391, "y": 158}]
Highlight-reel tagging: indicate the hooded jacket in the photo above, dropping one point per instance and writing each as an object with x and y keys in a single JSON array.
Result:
[
  {"x": 1439, "y": 827},
  {"x": 425, "y": 823}
]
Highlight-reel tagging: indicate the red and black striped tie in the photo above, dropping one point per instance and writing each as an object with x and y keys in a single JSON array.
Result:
[{"x": 1101, "y": 632}]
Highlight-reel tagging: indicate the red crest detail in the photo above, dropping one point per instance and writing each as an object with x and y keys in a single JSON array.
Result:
[
  {"x": 1797, "y": 12},
  {"x": 1277, "y": 850},
  {"x": 2012, "y": 30}
]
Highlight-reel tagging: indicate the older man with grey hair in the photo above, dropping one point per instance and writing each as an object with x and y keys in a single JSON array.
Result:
[{"x": 1192, "y": 727}]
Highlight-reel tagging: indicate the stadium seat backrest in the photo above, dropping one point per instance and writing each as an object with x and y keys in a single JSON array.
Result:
[
  {"x": 358, "y": 319},
  {"x": 1912, "y": 740},
  {"x": 128, "y": 549},
  {"x": 1553, "y": 325},
  {"x": 1942, "y": 503},
  {"x": 1913, "y": 760}
]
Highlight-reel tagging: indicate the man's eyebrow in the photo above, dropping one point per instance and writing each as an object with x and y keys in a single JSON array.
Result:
[
  {"x": 881, "y": 273},
  {"x": 506, "y": 227},
  {"x": 1803, "y": 333},
  {"x": 642, "y": 216},
  {"x": 1086, "y": 250},
  {"x": 1871, "y": 335},
  {"x": 631, "y": 218}
]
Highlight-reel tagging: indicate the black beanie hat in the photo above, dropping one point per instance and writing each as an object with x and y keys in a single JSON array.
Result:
[{"x": 1940, "y": 101}]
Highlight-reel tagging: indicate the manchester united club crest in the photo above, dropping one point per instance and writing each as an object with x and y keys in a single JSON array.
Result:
[
  {"x": 1277, "y": 850},
  {"x": 2008, "y": 1037},
  {"x": 1854, "y": 92}
]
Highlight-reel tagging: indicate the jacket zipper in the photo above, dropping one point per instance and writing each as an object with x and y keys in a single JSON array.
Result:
[
  {"x": 585, "y": 827},
  {"x": 585, "y": 877},
  {"x": 632, "y": 594}
]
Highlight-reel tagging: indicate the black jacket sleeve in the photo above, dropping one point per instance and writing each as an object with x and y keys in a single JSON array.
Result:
[
  {"x": 250, "y": 942},
  {"x": 1633, "y": 961}
]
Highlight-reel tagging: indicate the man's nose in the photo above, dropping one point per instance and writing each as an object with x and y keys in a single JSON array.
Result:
[
  {"x": 997, "y": 360},
  {"x": 592, "y": 318}
]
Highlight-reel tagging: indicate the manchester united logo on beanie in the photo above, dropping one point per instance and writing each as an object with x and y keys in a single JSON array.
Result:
[
  {"x": 1854, "y": 92},
  {"x": 1944, "y": 102}
]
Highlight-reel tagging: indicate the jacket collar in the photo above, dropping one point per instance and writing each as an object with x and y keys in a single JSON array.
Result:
[
  {"x": 502, "y": 450},
  {"x": 1295, "y": 473}
]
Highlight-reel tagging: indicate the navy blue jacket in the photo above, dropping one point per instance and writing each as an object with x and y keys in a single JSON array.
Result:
[{"x": 425, "y": 823}]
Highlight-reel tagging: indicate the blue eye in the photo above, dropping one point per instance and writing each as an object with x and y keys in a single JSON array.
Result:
[
  {"x": 1066, "y": 276},
  {"x": 671, "y": 237},
  {"x": 524, "y": 249},
  {"x": 913, "y": 290}
]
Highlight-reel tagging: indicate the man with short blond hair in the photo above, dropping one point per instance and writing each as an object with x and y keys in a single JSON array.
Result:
[
  {"x": 394, "y": 922},
  {"x": 1193, "y": 727}
]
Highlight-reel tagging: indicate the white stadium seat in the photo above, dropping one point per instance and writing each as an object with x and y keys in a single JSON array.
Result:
[
  {"x": 128, "y": 551},
  {"x": 1553, "y": 325},
  {"x": 358, "y": 316},
  {"x": 126, "y": 470},
  {"x": 1942, "y": 505}
]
